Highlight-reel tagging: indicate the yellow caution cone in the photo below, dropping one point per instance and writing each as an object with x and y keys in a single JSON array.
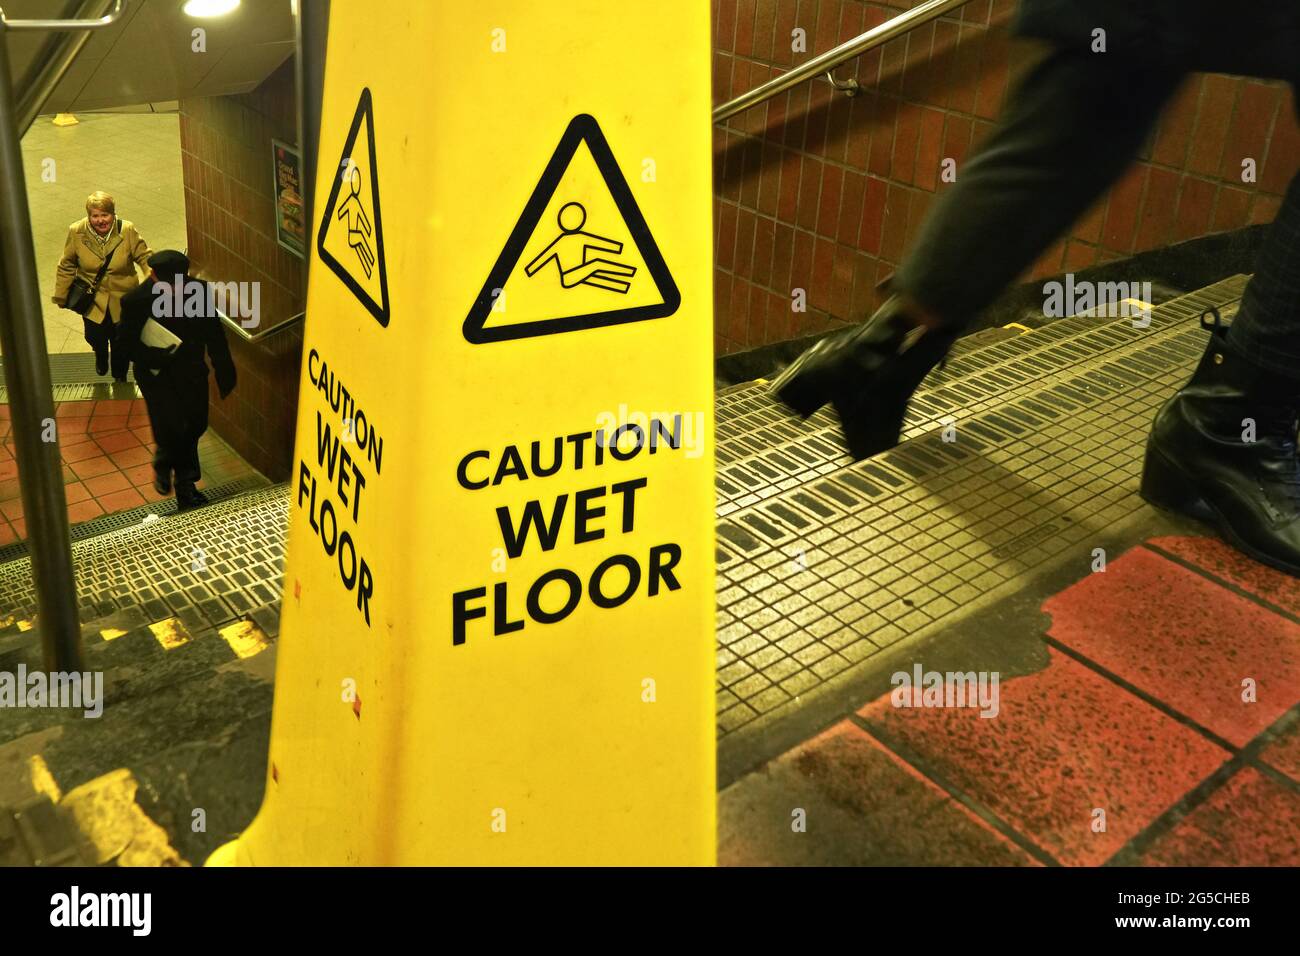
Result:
[
  {"x": 497, "y": 644},
  {"x": 65, "y": 119}
]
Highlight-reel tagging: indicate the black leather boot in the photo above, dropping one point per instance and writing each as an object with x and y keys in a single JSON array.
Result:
[
  {"x": 1200, "y": 464},
  {"x": 187, "y": 496},
  {"x": 101, "y": 361},
  {"x": 868, "y": 373}
]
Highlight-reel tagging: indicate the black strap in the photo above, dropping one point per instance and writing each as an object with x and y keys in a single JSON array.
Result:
[{"x": 99, "y": 276}]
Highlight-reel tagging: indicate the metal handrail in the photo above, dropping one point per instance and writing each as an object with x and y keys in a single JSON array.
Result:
[
  {"x": 263, "y": 333},
  {"x": 106, "y": 20},
  {"x": 828, "y": 61},
  {"x": 50, "y": 66}
]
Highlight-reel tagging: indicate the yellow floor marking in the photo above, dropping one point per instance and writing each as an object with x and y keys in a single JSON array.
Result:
[
  {"x": 24, "y": 625},
  {"x": 111, "y": 633},
  {"x": 106, "y": 813},
  {"x": 1016, "y": 325},
  {"x": 42, "y": 780},
  {"x": 245, "y": 638},
  {"x": 170, "y": 633}
]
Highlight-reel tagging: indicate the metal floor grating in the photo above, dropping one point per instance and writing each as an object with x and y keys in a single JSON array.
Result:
[
  {"x": 237, "y": 545},
  {"x": 133, "y": 516},
  {"x": 70, "y": 368},
  {"x": 823, "y": 563}
]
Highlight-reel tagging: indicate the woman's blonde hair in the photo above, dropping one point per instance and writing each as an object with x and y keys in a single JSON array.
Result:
[{"x": 102, "y": 201}]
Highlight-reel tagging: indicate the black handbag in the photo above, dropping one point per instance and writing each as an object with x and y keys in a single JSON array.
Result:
[{"x": 81, "y": 294}]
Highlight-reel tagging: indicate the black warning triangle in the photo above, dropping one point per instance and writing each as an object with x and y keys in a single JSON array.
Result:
[
  {"x": 582, "y": 128},
  {"x": 378, "y": 309}
]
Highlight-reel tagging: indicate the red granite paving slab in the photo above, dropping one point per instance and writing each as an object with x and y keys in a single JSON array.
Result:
[
  {"x": 13, "y": 508},
  {"x": 8, "y": 469},
  {"x": 9, "y": 489},
  {"x": 7, "y": 533},
  {"x": 121, "y": 500},
  {"x": 20, "y": 528},
  {"x": 1065, "y": 742},
  {"x": 73, "y": 409},
  {"x": 1284, "y": 753},
  {"x": 1250, "y": 821},
  {"x": 116, "y": 441},
  {"x": 1213, "y": 555},
  {"x": 106, "y": 423},
  {"x": 114, "y": 406},
  {"x": 1185, "y": 640},
  {"x": 4, "y": 412},
  {"x": 130, "y": 457},
  {"x": 84, "y": 510},
  {"x": 105, "y": 484},
  {"x": 144, "y": 434},
  {"x": 140, "y": 474},
  {"x": 73, "y": 426},
  {"x": 99, "y": 465},
  {"x": 79, "y": 451},
  {"x": 861, "y": 805},
  {"x": 76, "y": 491}
]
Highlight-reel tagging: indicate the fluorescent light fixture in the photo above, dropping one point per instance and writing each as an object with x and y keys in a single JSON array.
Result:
[{"x": 209, "y": 8}]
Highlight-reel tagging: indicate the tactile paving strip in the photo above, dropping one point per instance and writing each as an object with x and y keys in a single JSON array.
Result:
[
  {"x": 205, "y": 566},
  {"x": 823, "y": 563}
]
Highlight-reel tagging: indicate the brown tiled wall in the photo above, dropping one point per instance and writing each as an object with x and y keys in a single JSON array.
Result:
[
  {"x": 230, "y": 212},
  {"x": 823, "y": 192}
]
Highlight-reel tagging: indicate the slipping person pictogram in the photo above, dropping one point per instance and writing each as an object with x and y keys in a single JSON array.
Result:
[
  {"x": 359, "y": 228},
  {"x": 573, "y": 242},
  {"x": 352, "y": 223},
  {"x": 582, "y": 167}
]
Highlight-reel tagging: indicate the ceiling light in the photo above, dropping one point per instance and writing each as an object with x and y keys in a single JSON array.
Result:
[{"x": 209, "y": 8}]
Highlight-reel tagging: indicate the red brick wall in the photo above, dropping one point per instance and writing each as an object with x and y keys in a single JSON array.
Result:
[
  {"x": 230, "y": 214},
  {"x": 820, "y": 191}
]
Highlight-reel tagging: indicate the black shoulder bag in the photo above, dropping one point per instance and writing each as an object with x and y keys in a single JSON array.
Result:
[{"x": 81, "y": 294}]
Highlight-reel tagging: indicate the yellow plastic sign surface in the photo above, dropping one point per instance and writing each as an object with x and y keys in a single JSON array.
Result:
[{"x": 497, "y": 635}]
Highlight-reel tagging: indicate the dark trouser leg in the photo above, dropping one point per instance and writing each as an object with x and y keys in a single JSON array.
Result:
[
  {"x": 111, "y": 329},
  {"x": 192, "y": 398},
  {"x": 158, "y": 402},
  {"x": 97, "y": 337},
  {"x": 1266, "y": 329},
  {"x": 1068, "y": 132}
]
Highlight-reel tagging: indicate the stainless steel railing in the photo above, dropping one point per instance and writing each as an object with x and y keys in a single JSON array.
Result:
[
  {"x": 828, "y": 61},
  {"x": 75, "y": 24},
  {"x": 260, "y": 334}
]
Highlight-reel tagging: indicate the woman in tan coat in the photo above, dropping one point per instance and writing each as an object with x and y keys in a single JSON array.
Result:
[{"x": 90, "y": 240}]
